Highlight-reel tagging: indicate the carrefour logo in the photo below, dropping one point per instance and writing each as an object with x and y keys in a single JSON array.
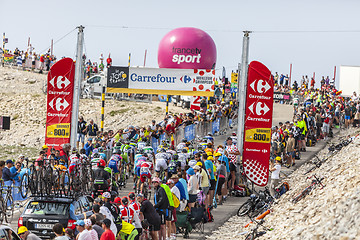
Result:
[
  {"x": 182, "y": 55},
  {"x": 185, "y": 79}
]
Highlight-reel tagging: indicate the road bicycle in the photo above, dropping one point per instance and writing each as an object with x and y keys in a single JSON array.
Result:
[
  {"x": 307, "y": 190},
  {"x": 255, "y": 232}
]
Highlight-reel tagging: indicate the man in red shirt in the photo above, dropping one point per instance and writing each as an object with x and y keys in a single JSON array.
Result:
[
  {"x": 108, "y": 61},
  {"x": 170, "y": 128},
  {"x": 108, "y": 234}
]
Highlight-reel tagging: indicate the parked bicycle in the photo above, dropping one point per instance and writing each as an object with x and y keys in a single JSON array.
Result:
[
  {"x": 256, "y": 204},
  {"x": 307, "y": 190}
]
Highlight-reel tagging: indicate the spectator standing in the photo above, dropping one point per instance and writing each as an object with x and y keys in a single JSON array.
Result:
[
  {"x": 275, "y": 174},
  {"x": 108, "y": 61},
  {"x": 92, "y": 129},
  {"x": 92, "y": 232},
  {"x": 161, "y": 205},
  {"x": 193, "y": 187},
  {"x": 33, "y": 61},
  {"x": 81, "y": 131},
  {"x": 148, "y": 212},
  {"x": 83, "y": 232},
  {"x": 96, "y": 225},
  {"x": 108, "y": 234},
  {"x": 232, "y": 153}
]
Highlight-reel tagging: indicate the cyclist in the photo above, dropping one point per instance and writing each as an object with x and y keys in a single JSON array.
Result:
[
  {"x": 74, "y": 160},
  {"x": 101, "y": 153},
  {"x": 95, "y": 160},
  {"x": 161, "y": 160},
  {"x": 115, "y": 163},
  {"x": 145, "y": 173},
  {"x": 139, "y": 161},
  {"x": 150, "y": 152},
  {"x": 183, "y": 158},
  {"x": 136, "y": 206},
  {"x": 102, "y": 177},
  {"x": 181, "y": 145}
]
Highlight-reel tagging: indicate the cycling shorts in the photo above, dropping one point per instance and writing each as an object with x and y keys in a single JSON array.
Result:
[
  {"x": 137, "y": 171},
  {"x": 347, "y": 117},
  {"x": 113, "y": 166},
  {"x": 143, "y": 177},
  {"x": 160, "y": 163}
]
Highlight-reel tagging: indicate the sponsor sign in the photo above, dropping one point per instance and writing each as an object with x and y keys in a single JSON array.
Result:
[
  {"x": 161, "y": 81},
  {"x": 278, "y": 96},
  {"x": 59, "y": 103},
  {"x": 258, "y": 120}
]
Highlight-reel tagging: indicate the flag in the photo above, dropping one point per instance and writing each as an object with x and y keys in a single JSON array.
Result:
[{"x": 8, "y": 57}]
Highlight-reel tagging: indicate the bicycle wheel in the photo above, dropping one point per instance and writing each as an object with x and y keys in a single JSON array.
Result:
[
  {"x": 2, "y": 210},
  {"x": 33, "y": 183},
  {"x": 250, "y": 236},
  {"x": 65, "y": 183},
  {"x": 244, "y": 209},
  {"x": 9, "y": 210},
  {"x": 48, "y": 180},
  {"x": 24, "y": 185}
]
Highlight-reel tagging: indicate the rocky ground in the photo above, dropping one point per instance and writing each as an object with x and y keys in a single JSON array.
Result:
[
  {"x": 22, "y": 98},
  {"x": 328, "y": 213}
]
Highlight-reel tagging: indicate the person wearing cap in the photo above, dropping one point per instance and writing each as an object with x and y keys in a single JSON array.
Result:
[
  {"x": 114, "y": 211},
  {"x": 193, "y": 187},
  {"x": 275, "y": 174},
  {"x": 59, "y": 231},
  {"x": 210, "y": 168},
  {"x": 107, "y": 214},
  {"x": 83, "y": 232},
  {"x": 108, "y": 234},
  {"x": 92, "y": 232},
  {"x": 88, "y": 147},
  {"x": 161, "y": 205},
  {"x": 7, "y": 176},
  {"x": 25, "y": 234},
  {"x": 148, "y": 213},
  {"x": 44, "y": 148}
]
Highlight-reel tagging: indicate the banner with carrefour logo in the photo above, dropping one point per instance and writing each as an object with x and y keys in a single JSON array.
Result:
[{"x": 164, "y": 81}]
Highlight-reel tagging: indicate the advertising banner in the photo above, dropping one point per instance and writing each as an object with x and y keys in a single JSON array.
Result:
[
  {"x": 258, "y": 120},
  {"x": 216, "y": 125},
  {"x": 163, "y": 81},
  {"x": 280, "y": 96},
  {"x": 60, "y": 84},
  {"x": 189, "y": 132}
]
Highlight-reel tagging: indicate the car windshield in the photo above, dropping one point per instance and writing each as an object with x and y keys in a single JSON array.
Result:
[{"x": 47, "y": 208}]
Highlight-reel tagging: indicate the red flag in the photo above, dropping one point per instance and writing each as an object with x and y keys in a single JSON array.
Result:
[
  {"x": 60, "y": 84},
  {"x": 258, "y": 121}
]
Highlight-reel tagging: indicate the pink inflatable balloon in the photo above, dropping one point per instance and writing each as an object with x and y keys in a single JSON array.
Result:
[{"x": 188, "y": 48}]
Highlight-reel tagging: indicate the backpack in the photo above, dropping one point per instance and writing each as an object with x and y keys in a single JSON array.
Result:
[
  {"x": 280, "y": 147},
  {"x": 172, "y": 167},
  {"x": 176, "y": 201}
]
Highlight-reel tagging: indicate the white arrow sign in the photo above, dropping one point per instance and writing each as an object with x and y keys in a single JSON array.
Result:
[
  {"x": 60, "y": 104},
  {"x": 260, "y": 86},
  {"x": 259, "y": 109},
  {"x": 60, "y": 82}
]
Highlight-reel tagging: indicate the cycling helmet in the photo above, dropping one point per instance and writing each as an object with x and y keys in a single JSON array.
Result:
[
  {"x": 141, "y": 151},
  {"x": 108, "y": 170},
  {"x": 184, "y": 140},
  {"x": 253, "y": 196},
  {"x": 101, "y": 163},
  {"x": 96, "y": 155},
  {"x": 125, "y": 201},
  {"x": 234, "y": 133},
  {"x": 163, "y": 150},
  {"x": 175, "y": 157},
  {"x": 106, "y": 195},
  {"x": 262, "y": 195},
  {"x": 74, "y": 150},
  {"x": 101, "y": 149},
  {"x": 118, "y": 144},
  {"x": 132, "y": 196},
  {"x": 209, "y": 134}
]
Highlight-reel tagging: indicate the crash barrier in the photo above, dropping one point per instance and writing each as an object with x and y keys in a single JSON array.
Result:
[
  {"x": 28, "y": 63},
  {"x": 282, "y": 97}
]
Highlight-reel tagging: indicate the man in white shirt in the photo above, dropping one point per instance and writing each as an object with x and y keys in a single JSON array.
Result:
[
  {"x": 84, "y": 234},
  {"x": 107, "y": 214},
  {"x": 275, "y": 175}
]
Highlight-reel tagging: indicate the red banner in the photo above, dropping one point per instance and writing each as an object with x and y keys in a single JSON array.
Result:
[
  {"x": 258, "y": 121},
  {"x": 60, "y": 84}
]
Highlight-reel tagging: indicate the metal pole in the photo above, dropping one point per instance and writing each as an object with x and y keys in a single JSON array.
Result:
[
  {"x": 3, "y": 51},
  {"x": 78, "y": 78},
  {"x": 102, "y": 108},
  {"x": 334, "y": 74},
  {"x": 52, "y": 47},
  {"x": 129, "y": 59},
  {"x": 242, "y": 90},
  {"x": 290, "y": 74},
  {"x": 167, "y": 104},
  {"x": 145, "y": 57}
]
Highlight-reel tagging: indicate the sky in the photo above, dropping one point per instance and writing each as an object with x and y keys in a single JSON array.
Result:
[{"x": 312, "y": 35}]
